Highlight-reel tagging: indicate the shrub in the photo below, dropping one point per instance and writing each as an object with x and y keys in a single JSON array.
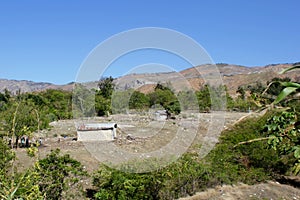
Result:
[{"x": 249, "y": 163}]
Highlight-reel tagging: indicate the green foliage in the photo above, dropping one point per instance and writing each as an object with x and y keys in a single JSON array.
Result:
[
  {"x": 57, "y": 173},
  {"x": 218, "y": 96},
  {"x": 26, "y": 113},
  {"x": 114, "y": 184},
  {"x": 283, "y": 129},
  {"x": 102, "y": 105},
  {"x": 6, "y": 156},
  {"x": 284, "y": 93},
  {"x": 244, "y": 163},
  {"x": 50, "y": 178},
  {"x": 184, "y": 177},
  {"x": 204, "y": 99},
  {"x": 181, "y": 178},
  {"x": 256, "y": 89},
  {"x": 15, "y": 185},
  {"x": 106, "y": 87},
  {"x": 241, "y": 105},
  {"x": 139, "y": 101},
  {"x": 214, "y": 98},
  {"x": 4, "y": 100},
  {"x": 57, "y": 102},
  {"x": 19, "y": 119},
  {"x": 165, "y": 97},
  {"x": 20, "y": 186},
  {"x": 103, "y": 97},
  {"x": 285, "y": 135},
  {"x": 275, "y": 87},
  {"x": 256, "y": 94}
]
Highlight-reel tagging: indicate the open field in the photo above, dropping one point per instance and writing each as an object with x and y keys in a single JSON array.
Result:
[{"x": 147, "y": 135}]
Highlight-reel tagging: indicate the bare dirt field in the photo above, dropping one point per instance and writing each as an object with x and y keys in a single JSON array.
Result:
[{"x": 140, "y": 134}]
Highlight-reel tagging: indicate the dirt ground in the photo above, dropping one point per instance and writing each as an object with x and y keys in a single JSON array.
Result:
[
  {"x": 271, "y": 191},
  {"x": 140, "y": 134}
]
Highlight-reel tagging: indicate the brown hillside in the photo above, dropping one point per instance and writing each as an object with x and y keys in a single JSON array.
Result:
[{"x": 233, "y": 76}]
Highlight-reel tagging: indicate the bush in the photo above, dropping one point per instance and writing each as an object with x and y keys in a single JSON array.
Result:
[
  {"x": 181, "y": 178},
  {"x": 114, "y": 184},
  {"x": 57, "y": 173},
  {"x": 249, "y": 163}
]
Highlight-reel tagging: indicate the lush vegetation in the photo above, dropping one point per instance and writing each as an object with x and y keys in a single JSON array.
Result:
[
  {"x": 50, "y": 178},
  {"x": 22, "y": 114}
]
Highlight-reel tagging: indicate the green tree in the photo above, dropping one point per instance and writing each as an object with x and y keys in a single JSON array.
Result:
[
  {"x": 57, "y": 173},
  {"x": 20, "y": 119},
  {"x": 165, "y": 97},
  {"x": 103, "y": 97},
  {"x": 102, "y": 105},
  {"x": 106, "y": 87},
  {"x": 204, "y": 99},
  {"x": 139, "y": 100},
  {"x": 59, "y": 103}
]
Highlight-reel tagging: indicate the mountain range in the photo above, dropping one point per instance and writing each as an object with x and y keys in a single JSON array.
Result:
[{"x": 232, "y": 76}]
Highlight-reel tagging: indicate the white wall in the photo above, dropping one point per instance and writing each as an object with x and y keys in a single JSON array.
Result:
[{"x": 97, "y": 135}]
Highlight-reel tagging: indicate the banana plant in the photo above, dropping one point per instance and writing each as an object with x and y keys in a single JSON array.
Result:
[
  {"x": 290, "y": 87},
  {"x": 282, "y": 132}
]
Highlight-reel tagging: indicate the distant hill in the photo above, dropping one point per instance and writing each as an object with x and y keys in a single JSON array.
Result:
[
  {"x": 30, "y": 86},
  {"x": 233, "y": 76}
]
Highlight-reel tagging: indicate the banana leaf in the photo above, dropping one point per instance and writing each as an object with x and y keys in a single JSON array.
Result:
[{"x": 284, "y": 93}]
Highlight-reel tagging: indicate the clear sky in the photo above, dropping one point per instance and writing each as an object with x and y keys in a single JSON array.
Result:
[{"x": 43, "y": 40}]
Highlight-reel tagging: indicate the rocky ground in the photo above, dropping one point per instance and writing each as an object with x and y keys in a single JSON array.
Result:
[{"x": 271, "y": 191}]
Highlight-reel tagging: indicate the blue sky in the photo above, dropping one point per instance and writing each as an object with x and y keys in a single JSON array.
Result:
[{"x": 48, "y": 40}]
